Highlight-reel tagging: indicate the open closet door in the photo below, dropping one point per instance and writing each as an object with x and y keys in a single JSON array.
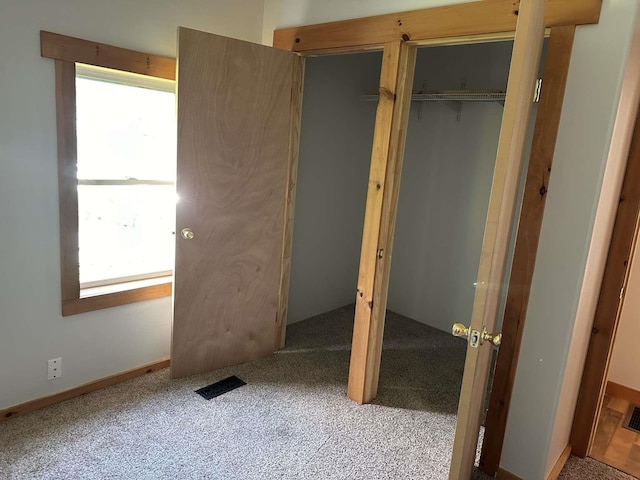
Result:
[
  {"x": 234, "y": 113},
  {"x": 511, "y": 146}
]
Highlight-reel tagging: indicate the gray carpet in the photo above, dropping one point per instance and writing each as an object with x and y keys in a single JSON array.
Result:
[
  {"x": 291, "y": 421},
  {"x": 588, "y": 468}
]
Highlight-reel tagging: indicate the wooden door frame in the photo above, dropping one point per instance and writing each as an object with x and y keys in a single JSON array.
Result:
[
  {"x": 474, "y": 22},
  {"x": 533, "y": 203},
  {"x": 501, "y": 211},
  {"x": 612, "y": 292}
]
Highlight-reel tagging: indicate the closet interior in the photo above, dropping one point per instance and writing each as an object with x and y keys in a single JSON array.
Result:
[{"x": 453, "y": 131}]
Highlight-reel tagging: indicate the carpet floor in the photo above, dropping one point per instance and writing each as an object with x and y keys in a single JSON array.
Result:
[
  {"x": 590, "y": 469},
  {"x": 291, "y": 421}
]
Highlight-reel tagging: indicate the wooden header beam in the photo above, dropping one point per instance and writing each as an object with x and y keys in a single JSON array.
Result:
[{"x": 465, "y": 19}]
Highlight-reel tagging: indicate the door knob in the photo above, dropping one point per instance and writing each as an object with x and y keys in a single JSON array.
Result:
[
  {"x": 459, "y": 330},
  {"x": 495, "y": 338},
  {"x": 186, "y": 233},
  {"x": 475, "y": 337}
]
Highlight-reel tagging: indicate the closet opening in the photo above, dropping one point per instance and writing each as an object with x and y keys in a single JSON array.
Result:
[
  {"x": 450, "y": 154},
  {"x": 336, "y": 135},
  {"x": 453, "y": 132}
]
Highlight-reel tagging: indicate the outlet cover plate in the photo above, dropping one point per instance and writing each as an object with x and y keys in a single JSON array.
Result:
[{"x": 54, "y": 368}]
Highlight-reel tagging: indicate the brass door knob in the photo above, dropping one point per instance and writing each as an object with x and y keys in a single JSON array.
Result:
[
  {"x": 186, "y": 233},
  {"x": 459, "y": 330},
  {"x": 475, "y": 337},
  {"x": 495, "y": 338}
]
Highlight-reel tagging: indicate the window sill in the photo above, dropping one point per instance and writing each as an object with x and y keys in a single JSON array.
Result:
[
  {"x": 98, "y": 298},
  {"x": 123, "y": 286}
]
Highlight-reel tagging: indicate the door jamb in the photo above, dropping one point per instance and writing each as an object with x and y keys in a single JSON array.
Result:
[
  {"x": 607, "y": 316},
  {"x": 289, "y": 207}
]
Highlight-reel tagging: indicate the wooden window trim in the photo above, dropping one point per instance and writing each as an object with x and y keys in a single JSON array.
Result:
[
  {"x": 67, "y": 51},
  {"x": 76, "y": 50}
]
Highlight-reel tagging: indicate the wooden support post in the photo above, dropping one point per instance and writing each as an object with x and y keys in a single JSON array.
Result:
[
  {"x": 396, "y": 82},
  {"x": 524, "y": 256}
]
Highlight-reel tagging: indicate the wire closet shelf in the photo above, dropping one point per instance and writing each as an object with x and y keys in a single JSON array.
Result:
[{"x": 450, "y": 96}]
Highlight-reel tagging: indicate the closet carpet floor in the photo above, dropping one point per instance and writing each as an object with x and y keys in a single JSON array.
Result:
[{"x": 291, "y": 421}]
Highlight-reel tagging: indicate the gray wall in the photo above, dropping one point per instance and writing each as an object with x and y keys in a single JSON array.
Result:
[
  {"x": 444, "y": 193},
  {"x": 335, "y": 153},
  {"x": 446, "y": 182}
]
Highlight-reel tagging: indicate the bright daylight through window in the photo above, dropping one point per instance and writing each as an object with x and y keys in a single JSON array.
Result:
[{"x": 126, "y": 134}]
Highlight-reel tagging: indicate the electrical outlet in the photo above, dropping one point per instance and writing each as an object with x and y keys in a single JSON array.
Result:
[{"x": 54, "y": 368}]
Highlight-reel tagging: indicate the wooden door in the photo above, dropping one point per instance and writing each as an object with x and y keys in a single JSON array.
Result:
[
  {"x": 234, "y": 112},
  {"x": 520, "y": 90}
]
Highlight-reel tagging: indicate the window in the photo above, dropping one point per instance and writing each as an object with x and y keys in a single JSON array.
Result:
[
  {"x": 126, "y": 141},
  {"x": 116, "y": 172}
]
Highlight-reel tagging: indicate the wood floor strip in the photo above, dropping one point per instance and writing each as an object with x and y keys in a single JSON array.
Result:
[
  {"x": 39, "y": 403},
  {"x": 609, "y": 420},
  {"x": 613, "y": 444}
]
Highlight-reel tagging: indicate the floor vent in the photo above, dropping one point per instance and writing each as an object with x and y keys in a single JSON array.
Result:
[
  {"x": 633, "y": 421},
  {"x": 218, "y": 388}
]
